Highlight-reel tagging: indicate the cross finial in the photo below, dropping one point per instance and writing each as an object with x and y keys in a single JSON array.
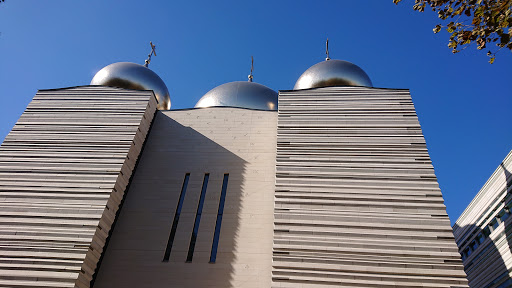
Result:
[
  {"x": 146, "y": 64},
  {"x": 327, "y": 50},
  {"x": 252, "y": 68}
]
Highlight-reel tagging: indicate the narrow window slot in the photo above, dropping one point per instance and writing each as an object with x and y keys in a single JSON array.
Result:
[
  {"x": 193, "y": 238},
  {"x": 176, "y": 218},
  {"x": 215, "y": 244}
]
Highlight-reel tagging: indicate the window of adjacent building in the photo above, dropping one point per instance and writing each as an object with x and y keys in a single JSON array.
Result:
[
  {"x": 494, "y": 224},
  {"x": 467, "y": 251},
  {"x": 504, "y": 215},
  {"x": 480, "y": 238},
  {"x": 486, "y": 231},
  {"x": 473, "y": 245}
]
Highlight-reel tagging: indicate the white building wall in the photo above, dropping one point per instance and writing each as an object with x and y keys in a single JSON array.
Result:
[
  {"x": 484, "y": 231},
  {"x": 237, "y": 141}
]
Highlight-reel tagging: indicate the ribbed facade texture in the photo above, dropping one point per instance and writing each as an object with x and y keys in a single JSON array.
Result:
[
  {"x": 484, "y": 232},
  {"x": 64, "y": 169},
  {"x": 335, "y": 189},
  {"x": 357, "y": 203}
]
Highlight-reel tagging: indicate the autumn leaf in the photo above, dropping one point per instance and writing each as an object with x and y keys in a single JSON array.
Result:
[{"x": 481, "y": 23}]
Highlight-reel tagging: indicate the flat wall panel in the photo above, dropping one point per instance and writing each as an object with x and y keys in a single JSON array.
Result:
[{"x": 218, "y": 141}]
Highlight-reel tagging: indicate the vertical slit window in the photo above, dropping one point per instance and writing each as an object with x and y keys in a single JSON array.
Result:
[
  {"x": 193, "y": 238},
  {"x": 215, "y": 244},
  {"x": 176, "y": 218}
]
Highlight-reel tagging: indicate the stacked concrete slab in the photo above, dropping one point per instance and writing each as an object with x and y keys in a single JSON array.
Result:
[
  {"x": 357, "y": 203},
  {"x": 484, "y": 231},
  {"x": 64, "y": 169}
]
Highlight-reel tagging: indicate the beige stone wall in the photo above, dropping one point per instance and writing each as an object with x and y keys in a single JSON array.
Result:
[
  {"x": 357, "y": 200},
  {"x": 64, "y": 168},
  {"x": 240, "y": 142},
  {"x": 352, "y": 200}
]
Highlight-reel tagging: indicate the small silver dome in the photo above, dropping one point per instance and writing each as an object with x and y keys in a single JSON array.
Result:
[
  {"x": 240, "y": 94},
  {"x": 134, "y": 76},
  {"x": 333, "y": 73}
]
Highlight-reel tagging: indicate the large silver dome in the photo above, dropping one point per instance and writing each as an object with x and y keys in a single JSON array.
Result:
[
  {"x": 240, "y": 94},
  {"x": 134, "y": 76},
  {"x": 333, "y": 73}
]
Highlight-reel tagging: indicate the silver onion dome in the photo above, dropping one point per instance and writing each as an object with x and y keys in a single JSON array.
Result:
[
  {"x": 333, "y": 73},
  {"x": 240, "y": 94},
  {"x": 134, "y": 76}
]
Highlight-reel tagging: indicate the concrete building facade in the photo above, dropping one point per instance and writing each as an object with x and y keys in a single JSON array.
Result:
[
  {"x": 357, "y": 200},
  {"x": 333, "y": 188},
  {"x": 237, "y": 144},
  {"x": 65, "y": 167},
  {"x": 483, "y": 232}
]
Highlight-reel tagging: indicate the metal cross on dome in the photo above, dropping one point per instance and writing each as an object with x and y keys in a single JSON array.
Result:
[
  {"x": 252, "y": 68},
  {"x": 146, "y": 64},
  {"x": 327, "y": 50}
]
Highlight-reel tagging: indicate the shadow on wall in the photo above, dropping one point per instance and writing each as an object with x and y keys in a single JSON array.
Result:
[
  {"x": 484, "y": 258},
  {"x": 484, "y": 266},
  {"x": 508, "y": 224},
  {"x": 138, "y": 243}
]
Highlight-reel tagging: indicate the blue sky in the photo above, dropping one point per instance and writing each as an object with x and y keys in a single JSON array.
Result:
[{"x": 463, "y": 103}]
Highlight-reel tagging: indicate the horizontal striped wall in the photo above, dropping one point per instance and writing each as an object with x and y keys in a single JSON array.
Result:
[
  {"x": 64, "y": 168},
  {"x": 490, "y": 263},
  {"x": 357, "y": 203}
]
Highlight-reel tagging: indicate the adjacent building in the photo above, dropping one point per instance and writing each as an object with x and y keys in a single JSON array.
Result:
[
  {"x": 326, "y": 185},
  {"x": 483, "y": 232}
]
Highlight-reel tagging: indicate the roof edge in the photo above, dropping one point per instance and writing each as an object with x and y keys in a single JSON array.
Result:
[
  {"x": 377, "y": 88},
  {"x": 83, "y": 86},
  {"x": 244, "y": 108}
]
